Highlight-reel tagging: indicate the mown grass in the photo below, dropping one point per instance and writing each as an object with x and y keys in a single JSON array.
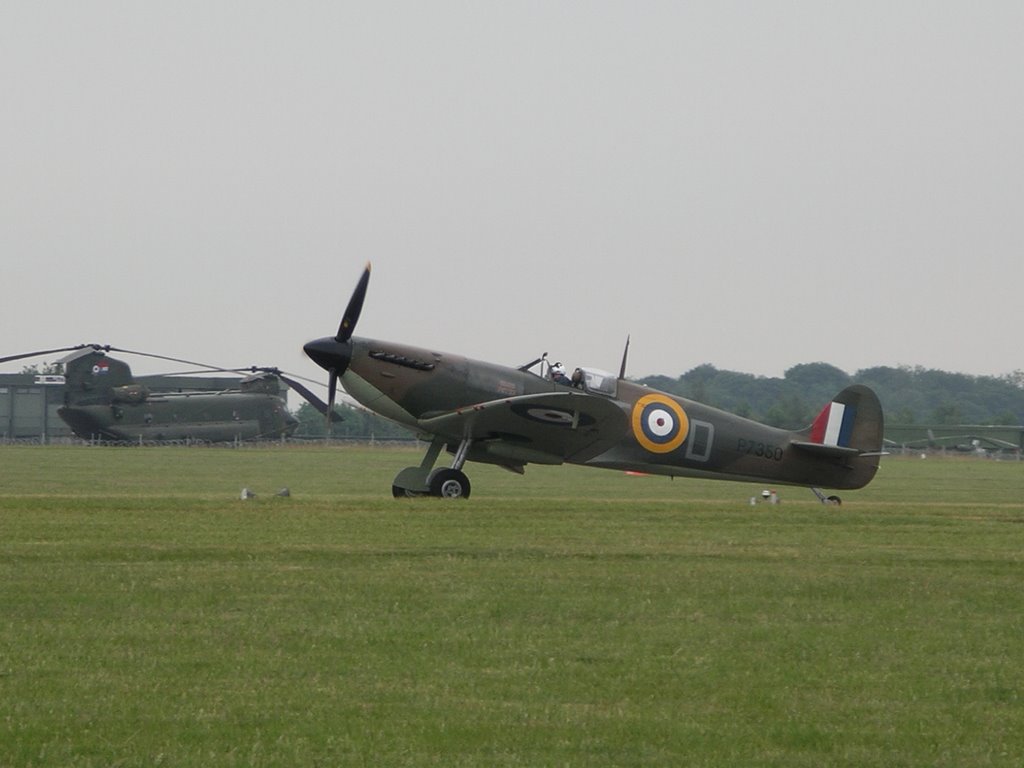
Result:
[{"x": 569, "y": 617}]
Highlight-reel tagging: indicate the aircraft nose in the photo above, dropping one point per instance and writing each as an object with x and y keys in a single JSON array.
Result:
[{"x": 329, "y": 353}]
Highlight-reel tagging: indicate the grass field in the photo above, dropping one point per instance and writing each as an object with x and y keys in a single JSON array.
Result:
[{"x": 570, "y": 617}]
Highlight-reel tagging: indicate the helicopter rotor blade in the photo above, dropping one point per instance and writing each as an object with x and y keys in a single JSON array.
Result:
[
  {"x": 174, "y": 360},
  {"x": 110, "y": 348},
  {"x": 41, "y": 352}
]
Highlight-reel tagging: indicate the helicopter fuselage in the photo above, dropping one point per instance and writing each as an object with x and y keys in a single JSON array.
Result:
[{"x": 207, "y": 416}]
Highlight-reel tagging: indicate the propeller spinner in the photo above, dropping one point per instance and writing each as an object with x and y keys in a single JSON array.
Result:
[{"x": 334, "y": 353}]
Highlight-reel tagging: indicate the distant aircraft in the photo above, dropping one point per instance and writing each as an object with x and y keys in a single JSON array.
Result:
[
  {"x": 968, "y": 443},
  {"x": 103, "y": 402},
  {"x": 511, "y": 417}
]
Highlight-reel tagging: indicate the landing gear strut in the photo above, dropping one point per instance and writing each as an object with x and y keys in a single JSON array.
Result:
[
  {"x": 831, "y": 500},
  {"x": 443, "y": 482}
]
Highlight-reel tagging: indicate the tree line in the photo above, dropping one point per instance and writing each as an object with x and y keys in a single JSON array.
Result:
[
  {"x": 355, "y": 423},
  {"x": 909, "y": 395}
]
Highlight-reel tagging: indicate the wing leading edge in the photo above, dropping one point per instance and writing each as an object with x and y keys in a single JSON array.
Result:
[{"x": 549, "y": 428}]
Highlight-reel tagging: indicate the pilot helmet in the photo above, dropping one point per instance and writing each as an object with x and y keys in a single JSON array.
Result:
[{"x": 558, "y": 368}]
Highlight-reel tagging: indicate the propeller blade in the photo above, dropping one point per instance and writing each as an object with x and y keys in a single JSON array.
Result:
[
  {"x": 310, "y": 398},
  {"x": 335, "y": 354},
  {"x": 332, "y": 391},
  {"x": 354, "y": 308}
]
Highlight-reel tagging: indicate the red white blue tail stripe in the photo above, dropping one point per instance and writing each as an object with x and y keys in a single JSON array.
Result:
[{"x": 834, "y": 425}]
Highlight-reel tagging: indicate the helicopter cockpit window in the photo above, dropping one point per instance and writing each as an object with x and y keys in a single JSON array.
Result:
[{"x": 597, "y": 381}]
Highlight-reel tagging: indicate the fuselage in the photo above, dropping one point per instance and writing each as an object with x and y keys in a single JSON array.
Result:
[
  {"x": 208, "y": 416},
  {"x": 657, "y": 433}
]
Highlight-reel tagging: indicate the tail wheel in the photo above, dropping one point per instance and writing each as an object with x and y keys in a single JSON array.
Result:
[{"x": 449, "y": 484}]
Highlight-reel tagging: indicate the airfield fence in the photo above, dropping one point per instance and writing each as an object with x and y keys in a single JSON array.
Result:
[
  {"x": 1005, "y": 454},
  {"x": 367, "y": 440},
  {"x": 1000, "y": 454}
]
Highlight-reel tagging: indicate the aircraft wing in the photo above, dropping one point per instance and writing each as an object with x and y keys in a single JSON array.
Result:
[{"x": 546, "y": 428}]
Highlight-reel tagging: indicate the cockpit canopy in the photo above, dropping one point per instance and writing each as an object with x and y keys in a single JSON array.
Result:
[
  {"x": 592, "y": 380},
  {"x": 596, "y": 381}
]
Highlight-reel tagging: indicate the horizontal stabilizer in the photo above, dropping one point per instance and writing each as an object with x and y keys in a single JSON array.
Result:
[
  {"x": 846, "y": 433},
  {"x": 822, "y": 449}
]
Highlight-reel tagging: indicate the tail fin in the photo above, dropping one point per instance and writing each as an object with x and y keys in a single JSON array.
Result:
[
  {"x": 851, "y": 422},
  {"x": 90, "y": 377},
  {"x": 849, "y": 431}
]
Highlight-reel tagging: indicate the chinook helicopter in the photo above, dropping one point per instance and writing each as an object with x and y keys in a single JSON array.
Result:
[
  {"x": 102, "y": 401},
  {"x": 511, "y": 417}
]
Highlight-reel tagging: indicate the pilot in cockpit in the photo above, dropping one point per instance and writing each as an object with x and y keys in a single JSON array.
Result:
[{"x": 558, "y": 376}]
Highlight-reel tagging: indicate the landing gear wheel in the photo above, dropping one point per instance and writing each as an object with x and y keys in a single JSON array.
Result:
[
  {"x": 449, "y": 484},
  {"x": 835, "y": 500}
]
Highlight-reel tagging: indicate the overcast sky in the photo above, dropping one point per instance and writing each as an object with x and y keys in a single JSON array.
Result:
[{"x": 748, "y": 184}]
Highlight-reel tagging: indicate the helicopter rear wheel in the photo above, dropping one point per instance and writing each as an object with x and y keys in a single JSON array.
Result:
[{"x": 448, "y": 483}]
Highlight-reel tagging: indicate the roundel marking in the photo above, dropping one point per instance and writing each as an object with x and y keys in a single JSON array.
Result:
[
  {"x": 550, "y": 415},
  {"x": 556, "y": 416},
  {"x": 659, "y": 423}
]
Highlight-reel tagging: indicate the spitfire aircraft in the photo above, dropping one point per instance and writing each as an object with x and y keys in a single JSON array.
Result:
[
  {"x": 103, "y": 402},
  {"x": 510, "y": 417}
]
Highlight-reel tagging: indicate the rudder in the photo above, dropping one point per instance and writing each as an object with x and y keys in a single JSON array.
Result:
[
  {"x": 852, "y": 419},
  {"x": 848, "y": 434}
]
